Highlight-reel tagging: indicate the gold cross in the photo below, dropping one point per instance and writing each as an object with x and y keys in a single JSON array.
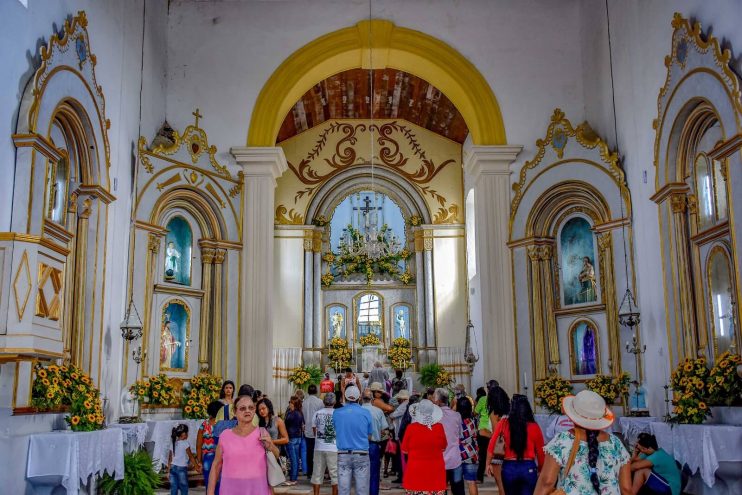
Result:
[{"x": 198, "y": 115}]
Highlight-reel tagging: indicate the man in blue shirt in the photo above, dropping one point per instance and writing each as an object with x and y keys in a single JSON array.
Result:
[
  {"x": 655, "y": 471},
  {"x": 374, "y": 450},
  {"x": 353, "y": 430}
]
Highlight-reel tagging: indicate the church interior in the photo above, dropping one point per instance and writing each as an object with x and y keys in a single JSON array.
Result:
[{"x": 541, "y": 193}]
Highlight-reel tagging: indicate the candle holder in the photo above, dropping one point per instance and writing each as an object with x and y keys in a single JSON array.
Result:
[
  {"x": 667, "y": 416},
  {"x": 138, "y": 356}
]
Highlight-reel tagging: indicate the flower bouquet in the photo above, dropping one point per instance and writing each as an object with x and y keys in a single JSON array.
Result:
[
  {"x": 155, "y": 390},
  {"x": 202, "y": 390},
  {"x": 369, "y": 339},
  {"x": 400, "y": 354},
  {"x": 339, "y": 353},
  {"x": 610, "y": 388},
  {"x": 301, "y": 377},
  {"x": 724, "y": 384},
  {"x": 550, "y": 392},
  {"x": 691, "y": 394},
  {"x": 435, "y": 376},
  {"x": 57, "y": 386}
]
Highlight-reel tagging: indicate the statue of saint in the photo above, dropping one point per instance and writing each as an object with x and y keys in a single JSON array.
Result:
[
  {"x": 336, "y": 322},
  {"x": 168, "y": 345},
  {"x": 587, "y": 280},
  {"x": 128, "y": 403},
  {"x": 172, "y": 257},
  {"x": 401, "y": 324}
]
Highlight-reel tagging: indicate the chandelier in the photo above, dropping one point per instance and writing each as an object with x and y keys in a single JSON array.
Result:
[{"x": 371, "y": 240}]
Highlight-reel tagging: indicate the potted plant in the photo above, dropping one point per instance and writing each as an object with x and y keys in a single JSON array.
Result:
[
  {"x": 434, "y": 375},
  {"x": 140, "y": 477},
  {"x": 301, "y": 377}
]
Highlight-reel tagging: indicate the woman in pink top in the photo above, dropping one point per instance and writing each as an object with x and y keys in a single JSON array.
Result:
[{"x": 240, "y": 455}]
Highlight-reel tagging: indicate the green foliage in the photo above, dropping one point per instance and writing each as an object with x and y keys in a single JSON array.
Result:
[
  {"x": 140, "y": 477},
  {"x": 430, "y": 375}
]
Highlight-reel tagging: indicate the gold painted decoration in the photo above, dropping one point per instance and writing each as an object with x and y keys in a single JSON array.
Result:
[
  {"x": 559, "y": 132},
  {"x": 288, "y": 217},
  {"x": 49, "y": 298},
  {"x": 22, "y": 285},
  {"x": 70, "y": 51}
]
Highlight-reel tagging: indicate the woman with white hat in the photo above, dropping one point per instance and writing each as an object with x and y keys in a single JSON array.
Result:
[
  {"x": 424, "y": 442},
  {"x": 586, "y": 459}
]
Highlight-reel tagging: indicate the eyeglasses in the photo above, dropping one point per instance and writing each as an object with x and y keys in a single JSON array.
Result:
[{"x": 246, "y": 408}]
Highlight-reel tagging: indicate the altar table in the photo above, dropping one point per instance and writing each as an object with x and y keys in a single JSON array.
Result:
[
  {"x": 632, "y": 426},
  {"x": 702, "y": 448},
  {"x": 69, "y": 458},
  {"x": 553, "y": 424},
  {"x": 159, "y": 434},
  {"x": 135, "y": 434}
]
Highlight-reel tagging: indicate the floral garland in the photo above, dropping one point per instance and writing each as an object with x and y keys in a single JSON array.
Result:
[
  {"x": 339, "y": 353},
  {"x": 67, "y": 385},
  {"x": 302, "y": 377},
  {"x": 199, "y": 393},
  {"x": 610, "y": 388},
  {"x": 550, "y": 392},
  {"x": 400, "y": 354},
  {"x": 688, "y": 382},
  {"x": 724, "y": 384},
  {"x": 345, "y": 264},
  {"x": 369, "y": 339},
  {"x": 155, "y": 390}
]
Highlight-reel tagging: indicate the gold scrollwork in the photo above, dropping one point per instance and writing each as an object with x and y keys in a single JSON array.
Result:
[
  {"x": 197, "y": 143},
  {"x": 169, "y": 182},
  {"x": 288, "y": 217},
  {"x": 22, "y": 285},
  {"x": 449, "y": 215},
  {"x": 153, "y": 243}
]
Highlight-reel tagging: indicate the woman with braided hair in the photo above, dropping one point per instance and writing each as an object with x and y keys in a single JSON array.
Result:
[{"x": 586, "y": 460}]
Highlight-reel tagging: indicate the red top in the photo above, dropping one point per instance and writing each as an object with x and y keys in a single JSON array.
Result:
[
  {"x": 534, "y": 443},
  {"x": 425, "y": 470},
  {"x": 326, "y": 386}
]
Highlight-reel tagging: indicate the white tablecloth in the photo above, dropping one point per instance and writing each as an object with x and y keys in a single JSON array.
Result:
[
  {"x": 701, "y": 447},
  {"x": 75, "y": 456},
  {"x": 553, "y": 424},
  {"x": 631, "y": 427},
  {"x": 135, "y": 434},
  {"x": 159, "y": 433}
]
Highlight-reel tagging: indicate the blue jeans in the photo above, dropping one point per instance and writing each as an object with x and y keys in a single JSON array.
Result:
[
  {"x": 374, "y": 457},
  {"x": 519, "y": 477},
  {"x": 303, "y": 454},
  {"x": 294, "y": 447},
  {"x": 455, "y": 477},
  {"x": 470, "y": 471},
  {"x": 352, "y": 466},
  {"x": 178, "y": 480},
  {"x": 207, "y": 461}
]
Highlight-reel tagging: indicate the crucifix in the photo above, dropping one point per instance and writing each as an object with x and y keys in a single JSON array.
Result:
[
  {"x": 365, "y": 210},
  {"x": 198, "y": 115}
]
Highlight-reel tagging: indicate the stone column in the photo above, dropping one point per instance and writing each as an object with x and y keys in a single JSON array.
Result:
[
  {"x": 207, "y": 259},
  {"x": 308, "y": 295},
  {"x": 84, "y": 210},
  {"x": 217, "y": 325},
  {"x": 552, "y": 336},
  {"x": 537, "y": 311},
  {"x": 678, "y": 204},
  {"x": 608, "y": 286},
  {"x": 261, "y": 167},
  {"x": 489, "y": 169},
  {"x": 420, "y": 306},
  {"x": 430, "y": 340},
  {"x": 318, "y": 308}
]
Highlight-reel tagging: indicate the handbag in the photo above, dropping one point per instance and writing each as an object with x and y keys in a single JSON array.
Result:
[
  {"x": 274, "y": 470},
  {"x": 570, "y": 462},
  {"x": 391, "y": 447},
  {"x": 499, "y": 451}
]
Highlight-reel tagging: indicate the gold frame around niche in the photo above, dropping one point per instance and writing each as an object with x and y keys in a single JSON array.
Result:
[
  {"x": 719, "y": 247},
  {"x": 566, "y": 216},
  {"x": 572, "y": 327},
  {"x": 411, "y": 323},
  {"x": 187, "y": 334},
  {"x": 325, "y": 330},
  {"x": 164, "y": 248},
  {"x": 356, "y": 298}
]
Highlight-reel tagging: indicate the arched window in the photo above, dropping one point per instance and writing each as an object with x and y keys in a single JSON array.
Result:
[
  {"x": 178, "y": 247},
  {"x": 720, "y": 292},
  {"x": 369, "y": 311}
]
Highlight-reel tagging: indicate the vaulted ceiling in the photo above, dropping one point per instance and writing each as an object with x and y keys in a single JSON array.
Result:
[{"x": 397, "y": 95}]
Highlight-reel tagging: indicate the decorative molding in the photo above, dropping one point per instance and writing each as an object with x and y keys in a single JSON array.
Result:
[
  {"x": 34, "y": 239},
  {"x": 288, "y": 217},
  {"x": 49, "y": 307},
  {"x": 22, "y": 292},
  {"x": 179, "y": 290}
]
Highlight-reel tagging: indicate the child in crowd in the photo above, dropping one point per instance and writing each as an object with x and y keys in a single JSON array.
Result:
[
  {"x": 206, "y": 441},
  {"x": 177, "y": 463}
]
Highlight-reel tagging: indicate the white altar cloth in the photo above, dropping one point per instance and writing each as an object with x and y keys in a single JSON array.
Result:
[
  {"x": 553, "y": 424},
  {"x": 135, "y": 434},
  {"x": 159, "y": 433},
  {"x": 75, "y": 456},
  {"x": 701, "y": 447},
  {"x": 631, "y": 427}
]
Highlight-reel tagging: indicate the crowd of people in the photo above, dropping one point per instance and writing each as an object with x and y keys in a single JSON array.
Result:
[{"x": 359, "y": 431}]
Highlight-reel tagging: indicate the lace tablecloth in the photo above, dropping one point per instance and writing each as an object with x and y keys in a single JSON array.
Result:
[
  {"x": 135, "y": 434},
  {"x": 75, "y": 456},
  {"x": 159, "y": 433},
  {"x": 701, "y": 447},
  {"x": 631, "y": 427},
  {"x": 553, "y": 424}
]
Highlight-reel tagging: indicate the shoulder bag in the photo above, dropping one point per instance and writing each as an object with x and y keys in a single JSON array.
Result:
[
  {"x": 570, "y": 462},
  {"x": 275, "y": 473},
  {"x": 498, "y": 453}
]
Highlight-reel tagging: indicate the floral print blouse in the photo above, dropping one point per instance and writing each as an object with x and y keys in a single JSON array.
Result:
[{"x": 611, "y": 456}]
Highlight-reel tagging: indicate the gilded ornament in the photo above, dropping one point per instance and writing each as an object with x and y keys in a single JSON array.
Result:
[
  {"x": 450, "y": 215},
  {"x": 153, "y": 243},
  {"x": 286, "y": 217},
  {"x": 49, "y": 284},
  {"x": 22, "y": 285}
]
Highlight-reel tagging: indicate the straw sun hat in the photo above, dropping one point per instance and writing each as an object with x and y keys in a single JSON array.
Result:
[
  {"x": 426, "y": 413},
  {"x": 587, "y": 409}
]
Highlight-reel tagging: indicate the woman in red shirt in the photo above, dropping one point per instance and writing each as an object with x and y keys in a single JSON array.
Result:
[
  {"x": 524, "y": 448},
  {"x": 424, "y": 442}
]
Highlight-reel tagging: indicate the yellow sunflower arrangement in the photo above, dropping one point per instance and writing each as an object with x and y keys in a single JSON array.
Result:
[
  {"x": 339, "y": 353},
  {"x": 550, "y": 392},
  {"x": 690, "y": 399},
  {"x": 155, "y": 390},
  {"x": 434, "y": 375},
  {"x": 443, "y": 378},
  {"x": 724, "y": 384},
  {"x": 201, "y": 390},
  {"x": 610, "y": 388},
  {"x": 301, "y": 377},
  {"x": 369, "y": 339},
  {"x": 400, "y": 354}
]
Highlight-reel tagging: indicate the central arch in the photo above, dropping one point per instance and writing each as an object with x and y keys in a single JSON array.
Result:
[{"x": 392, "y": 47}]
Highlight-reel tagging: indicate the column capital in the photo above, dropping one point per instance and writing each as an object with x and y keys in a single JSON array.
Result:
[
  {"x": 260, "y": 161},
  {"x": 490, "y": 160}
]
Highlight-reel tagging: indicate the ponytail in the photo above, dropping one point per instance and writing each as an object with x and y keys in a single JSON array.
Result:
[{"x": 592, "y": 456}]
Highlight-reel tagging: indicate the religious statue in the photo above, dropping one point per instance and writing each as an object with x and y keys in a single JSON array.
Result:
[
  {"x": 168, "y": 345},
  {"x": 337, "y": 324},
  {"x": 402, "y": 324},
  {"x": 171, "y": 261},
  {"x": 128, "y": 403},
  {"x": 638, "y": 399},
  {"x": 587, "y": 280}
]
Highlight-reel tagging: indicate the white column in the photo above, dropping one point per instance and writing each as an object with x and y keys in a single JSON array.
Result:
[
  {"x": 318, "y": 306},
  {"x": 489, "y": 171},
  {"x": 308, "y": 297},
  {"x": 261, "y": 167}
]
